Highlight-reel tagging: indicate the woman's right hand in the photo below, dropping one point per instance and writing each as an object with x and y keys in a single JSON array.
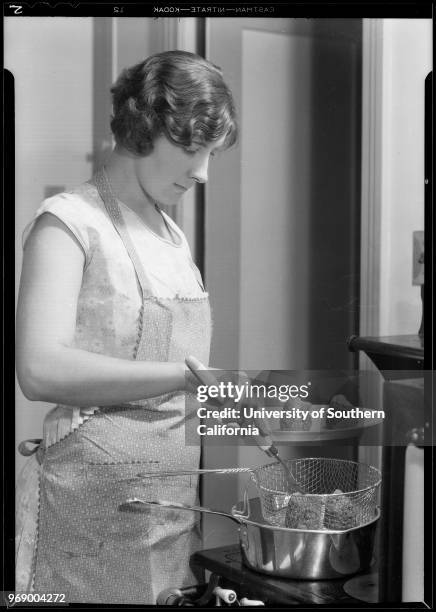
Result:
[{"x": 215, "y": 376}]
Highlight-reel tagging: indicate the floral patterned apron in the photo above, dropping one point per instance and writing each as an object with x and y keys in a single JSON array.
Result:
[{"x": 85, "y": 547}]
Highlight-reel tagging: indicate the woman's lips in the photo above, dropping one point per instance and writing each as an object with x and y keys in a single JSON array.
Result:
[{"x": 180, "y": 187}]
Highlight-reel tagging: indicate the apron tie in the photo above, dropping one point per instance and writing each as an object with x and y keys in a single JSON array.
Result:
[{"x": 25, "y": 450}]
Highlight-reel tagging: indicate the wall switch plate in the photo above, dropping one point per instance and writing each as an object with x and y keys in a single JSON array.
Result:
[{"x": 418, "y": 258}]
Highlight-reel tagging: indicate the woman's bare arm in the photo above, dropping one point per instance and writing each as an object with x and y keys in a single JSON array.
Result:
[{"x": 48, "y": 368}]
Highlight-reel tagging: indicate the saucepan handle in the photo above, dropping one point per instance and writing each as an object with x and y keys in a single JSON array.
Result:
[{"x": 141, "y": 505}]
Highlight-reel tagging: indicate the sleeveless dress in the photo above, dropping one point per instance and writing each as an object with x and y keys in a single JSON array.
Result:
[{"x": 71, "y": 538}]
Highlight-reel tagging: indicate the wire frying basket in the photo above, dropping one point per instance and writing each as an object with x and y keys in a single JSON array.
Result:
[{"x": 338, "y": 494}]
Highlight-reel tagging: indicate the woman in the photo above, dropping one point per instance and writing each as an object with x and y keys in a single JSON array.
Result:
[{"x": 110, "y": 305}]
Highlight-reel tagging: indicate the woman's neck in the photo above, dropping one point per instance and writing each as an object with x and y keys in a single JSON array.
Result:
[{"x": 120, "y": 170}]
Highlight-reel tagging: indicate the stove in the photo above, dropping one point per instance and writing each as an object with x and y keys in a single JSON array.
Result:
[{"x": 249, "y": 588}]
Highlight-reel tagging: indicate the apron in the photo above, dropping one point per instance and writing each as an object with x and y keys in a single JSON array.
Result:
[{"x": 84, "y": 547}]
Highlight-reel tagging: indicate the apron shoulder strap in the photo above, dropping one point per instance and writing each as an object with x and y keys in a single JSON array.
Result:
[{"x": 104, "y": 189}]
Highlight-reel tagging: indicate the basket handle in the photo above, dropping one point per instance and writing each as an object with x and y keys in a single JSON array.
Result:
[{"x": 169, "y": 474}]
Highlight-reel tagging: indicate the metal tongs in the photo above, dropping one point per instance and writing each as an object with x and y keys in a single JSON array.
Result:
[{"x": 264, "y": 440}]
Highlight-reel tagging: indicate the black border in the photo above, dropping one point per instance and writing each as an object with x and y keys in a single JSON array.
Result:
[
  {"x": 292, "y": 8},
  {"x": 337, "y": 9},
  {"x": 8, "y": 370}
]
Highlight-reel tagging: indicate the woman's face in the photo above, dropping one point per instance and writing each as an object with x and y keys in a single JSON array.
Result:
[{"x": 169, "y": 170}]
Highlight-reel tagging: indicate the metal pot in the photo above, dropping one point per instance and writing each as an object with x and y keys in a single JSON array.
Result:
[{"x": 289, "y": 553}]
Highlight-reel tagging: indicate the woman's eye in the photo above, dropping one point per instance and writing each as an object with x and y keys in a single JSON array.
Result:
[{"x": 192, "y": 151}]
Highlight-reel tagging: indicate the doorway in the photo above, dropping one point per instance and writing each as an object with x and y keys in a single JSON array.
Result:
[{"x": 282, "y": 218}]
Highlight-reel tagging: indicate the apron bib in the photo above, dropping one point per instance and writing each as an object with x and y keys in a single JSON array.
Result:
[{"x": 85, "y": 547}]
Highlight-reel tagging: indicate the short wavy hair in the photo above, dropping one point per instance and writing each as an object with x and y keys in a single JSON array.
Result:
[{"x": 176, "y": 94}]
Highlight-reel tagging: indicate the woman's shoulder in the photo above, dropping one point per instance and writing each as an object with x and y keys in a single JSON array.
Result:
[
  {"x": 80, "y": 206},
  {"x": 82, "y": 201},
  {"x": 80, "y": 209}
]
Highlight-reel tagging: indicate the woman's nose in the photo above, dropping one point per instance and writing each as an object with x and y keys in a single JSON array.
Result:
[{"x": 199, "y": 171}]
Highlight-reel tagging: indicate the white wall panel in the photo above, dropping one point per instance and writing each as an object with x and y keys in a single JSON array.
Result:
[
  {"x": 407, "y": 59},
  {"x": 275, "y": 198}
]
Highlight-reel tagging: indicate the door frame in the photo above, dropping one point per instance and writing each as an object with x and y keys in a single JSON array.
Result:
[
  {"x": 371, "y": 208},
  {"x": 372, "y": 99}
]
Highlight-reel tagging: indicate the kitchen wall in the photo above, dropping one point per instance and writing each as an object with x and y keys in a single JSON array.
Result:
[
  {"x": 51, "y": 60},
  {"x": 407, "y": 59}
]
